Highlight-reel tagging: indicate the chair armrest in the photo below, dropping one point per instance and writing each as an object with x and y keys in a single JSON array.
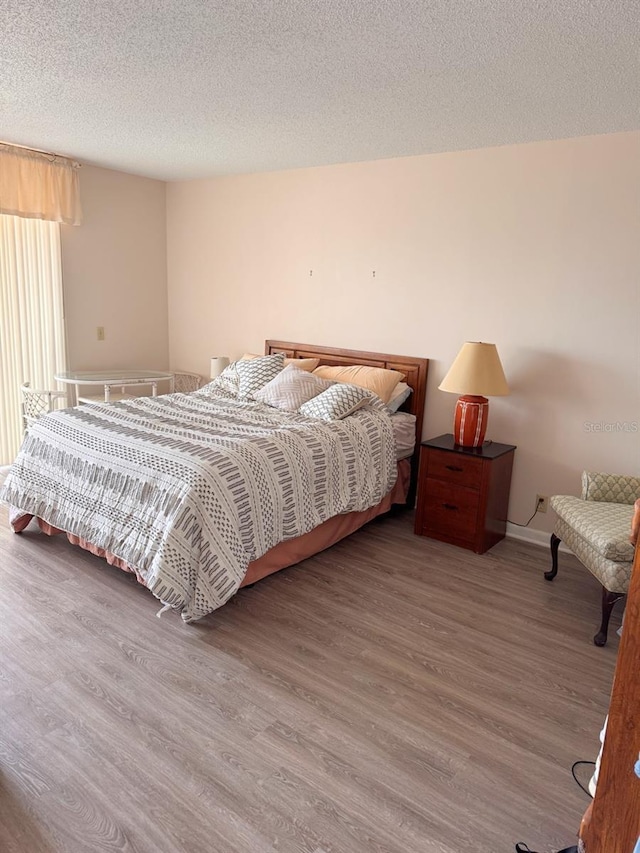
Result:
[{"x": 610, "y": 488}]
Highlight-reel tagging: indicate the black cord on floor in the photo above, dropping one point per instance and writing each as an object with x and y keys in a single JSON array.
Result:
[
  {"x": 575, "y": 778},
  {"x": 521, "y": 847}
]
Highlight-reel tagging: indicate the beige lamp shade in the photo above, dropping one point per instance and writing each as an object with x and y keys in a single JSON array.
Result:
[
  {"x": 218, "y": 364},
  {"x": 476, "y": 370},
  {"x": 475, "y": 374}
]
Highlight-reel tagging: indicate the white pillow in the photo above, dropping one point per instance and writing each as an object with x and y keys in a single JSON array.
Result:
[
  {"x": 291, "y": 388},
  {"x": 400, "y": 394}
]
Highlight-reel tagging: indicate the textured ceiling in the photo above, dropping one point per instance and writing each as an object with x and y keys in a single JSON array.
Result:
[{"x": 178, "y": 89}]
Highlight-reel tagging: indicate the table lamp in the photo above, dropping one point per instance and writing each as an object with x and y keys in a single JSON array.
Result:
[
  {"x": 218, "y": 364},
  {"x": 476, "y": 374}
]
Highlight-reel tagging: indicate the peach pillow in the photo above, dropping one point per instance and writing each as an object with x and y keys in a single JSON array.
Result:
[
  {"x": 377, "y": 379},
  {"x": 308, "y": 364}
]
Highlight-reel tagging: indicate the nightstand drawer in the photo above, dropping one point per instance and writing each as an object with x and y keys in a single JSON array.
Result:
[
  {"x": 455, "y": 468},
  {"x": 450, "y": 510},
  {"x": 463, "y": 495}
]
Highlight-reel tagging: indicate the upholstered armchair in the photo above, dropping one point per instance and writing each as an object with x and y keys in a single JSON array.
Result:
[{"x": 597, "y": 528}]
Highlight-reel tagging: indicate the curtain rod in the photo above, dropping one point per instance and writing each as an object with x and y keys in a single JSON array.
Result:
[{"x": 53, "y": 157}]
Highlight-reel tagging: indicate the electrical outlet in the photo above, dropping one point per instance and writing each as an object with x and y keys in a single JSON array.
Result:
[
  {"x": 100, "y": 333},
  {"x": 542, "y": 503}
]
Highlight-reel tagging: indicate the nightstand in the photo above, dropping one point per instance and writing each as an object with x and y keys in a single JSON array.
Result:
[{"x": 463, "y": 492}]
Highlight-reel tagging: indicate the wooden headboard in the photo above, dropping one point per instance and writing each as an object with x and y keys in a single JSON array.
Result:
[{"x": 415, "y": 369}]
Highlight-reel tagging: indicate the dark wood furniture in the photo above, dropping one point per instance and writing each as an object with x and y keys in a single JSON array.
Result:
[
  {"x": 612, "y": 823},
  {"x": 463, "y": 492},
  {"x": 414, "y": 369}
]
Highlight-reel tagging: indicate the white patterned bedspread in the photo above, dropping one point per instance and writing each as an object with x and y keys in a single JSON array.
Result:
[{"x": 190, "y": 488}]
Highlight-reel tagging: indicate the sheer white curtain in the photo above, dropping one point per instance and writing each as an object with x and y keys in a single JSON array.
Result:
[{"x": 32, "y": 337}]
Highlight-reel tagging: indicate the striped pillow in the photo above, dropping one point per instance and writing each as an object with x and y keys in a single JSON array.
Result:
[
  {"x": 256, "y": 372},
  {"x": 337, "y": 402},
  {"x": 291, "y": 388},
  {"x": 309, "y": 364}
]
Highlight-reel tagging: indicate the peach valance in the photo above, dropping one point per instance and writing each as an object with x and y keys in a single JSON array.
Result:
[{"x": 35, "y": 185}]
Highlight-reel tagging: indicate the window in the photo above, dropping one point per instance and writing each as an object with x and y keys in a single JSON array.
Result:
[{"x": 32, "y": 338}]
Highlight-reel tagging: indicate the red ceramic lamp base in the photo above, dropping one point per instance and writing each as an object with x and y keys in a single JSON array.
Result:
[{"x": 470, "y": 421}]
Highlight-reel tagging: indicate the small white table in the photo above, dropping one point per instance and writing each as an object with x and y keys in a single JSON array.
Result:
[{"x": 109, "y": 379}]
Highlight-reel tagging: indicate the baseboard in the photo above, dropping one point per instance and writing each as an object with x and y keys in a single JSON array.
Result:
[{"x": 533, "y": 537}]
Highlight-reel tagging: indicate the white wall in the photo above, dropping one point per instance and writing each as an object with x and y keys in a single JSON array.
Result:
[
  {"x": 114, "y": 271},
  {"x": 534, "y": 247}
]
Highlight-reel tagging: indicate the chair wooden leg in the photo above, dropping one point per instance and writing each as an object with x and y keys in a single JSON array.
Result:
[
  {"x": 553, "y": 571},
  {"x": 608, "y": 600}
]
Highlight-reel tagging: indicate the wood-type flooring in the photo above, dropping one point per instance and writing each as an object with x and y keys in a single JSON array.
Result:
[{"x": 391, "y": 695}]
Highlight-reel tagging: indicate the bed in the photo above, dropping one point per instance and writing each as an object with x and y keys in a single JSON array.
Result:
[{"x": 200, "y": 494}]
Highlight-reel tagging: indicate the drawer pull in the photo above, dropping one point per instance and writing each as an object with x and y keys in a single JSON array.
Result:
[
  {"x": 453, "y": 468},
  {"x": 449, "y": 506}
]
